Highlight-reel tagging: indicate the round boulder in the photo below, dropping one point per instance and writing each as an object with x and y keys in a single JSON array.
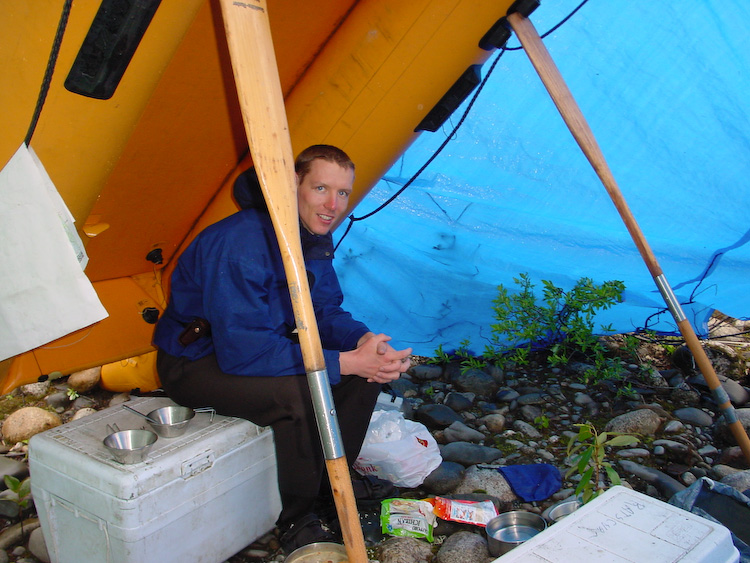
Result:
[
  {"x": 26, "y": 422},
  {"x": 86, "y": 380}
]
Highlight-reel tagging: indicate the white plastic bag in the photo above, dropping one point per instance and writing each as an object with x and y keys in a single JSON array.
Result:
[{"x": 399, "y": 450}]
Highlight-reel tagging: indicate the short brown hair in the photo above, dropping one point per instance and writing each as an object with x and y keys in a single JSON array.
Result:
[{"x": 326, "y": 152}]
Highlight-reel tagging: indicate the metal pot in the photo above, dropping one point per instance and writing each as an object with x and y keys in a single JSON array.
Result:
[
  {"x": 321, "y": 552},
  {"x": 510, "y": 529},
  {"x": 561, "y": 509},
  {"x": 130, "y": 446},
  {"x": 170, "y": 422}
]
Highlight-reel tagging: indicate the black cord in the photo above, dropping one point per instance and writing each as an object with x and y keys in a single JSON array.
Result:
[
  {"x": 353, "y": 219},
  {"x": 50, "y": 70},
  {"x": 555, "y": 28}
]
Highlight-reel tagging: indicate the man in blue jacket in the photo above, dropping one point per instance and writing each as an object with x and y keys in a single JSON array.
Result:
[{"x": 227, "y": 340}]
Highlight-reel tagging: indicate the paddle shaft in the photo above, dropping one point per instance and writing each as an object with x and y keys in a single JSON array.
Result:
[
  {"x": 574, "y": 119},
  {"x": 261, "y": 101}
]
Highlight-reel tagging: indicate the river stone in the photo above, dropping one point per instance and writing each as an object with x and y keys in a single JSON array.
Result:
[
  {"x": 495, "y": 423},
  {"x": 665, "y": 484},
  {"x": 26, "y": 422},
  {"x": 674, "y": 427},
  {"x": 13, "y": 467},
  {"x": 426, "y": 371},
  {"x": 487, "y": 480},
  {"x": 8, "y": 508},
  {"x": 734, "y": 456},
  {"x": 119, "y": 399},
  {"x": 404, "y": 550},
  {"x": 85, "y": 380},
  {"x": 444, "y": 479},
  {"x": 459, "y": 402},
  {"x": 476, "y": 381},
  {"x": 57, "y": 400},
  {"x": 725, "y": 432},
  {"x": 38, "y": 389},
  {"x": 526, "y": 429},
  {"x": 507, "y": 395},
  {"x": 464, "y": 547},
  {"x": 496, "y": 372},
  {"x": 459, "y": 432},
  {"x": 694, "y": 416},
  {"x": 437, "y": 416},
  {"x": 582, "y": 399},
  {"x": 642, "y": 421},
  {"x": 404, "y": 388},
  {"x": 739, "y": 480},
  {"x": 37, "y": 546},
  {"x": 737, "y": 393},
  {"x": 683, "y": 394},
  {"x": 468, "y": 454},
  {"x": 86, "y": 411},
  {"x": 530, "y": 412},
  {"x": 535, "y": 398}
]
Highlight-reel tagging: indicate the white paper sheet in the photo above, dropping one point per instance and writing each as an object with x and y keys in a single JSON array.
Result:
[{"x": 44, "y": 293}]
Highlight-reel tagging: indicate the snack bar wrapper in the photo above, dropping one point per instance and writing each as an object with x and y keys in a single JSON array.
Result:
[
  {"x": 407, "y": 518},
  {"x": 464, "y": 511}
]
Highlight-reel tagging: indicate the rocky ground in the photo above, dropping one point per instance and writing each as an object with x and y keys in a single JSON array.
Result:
[{"x": 483, "y": 419}]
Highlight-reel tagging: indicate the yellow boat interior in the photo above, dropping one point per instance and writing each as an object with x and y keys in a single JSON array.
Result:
[{"x": 146, "y": 165}]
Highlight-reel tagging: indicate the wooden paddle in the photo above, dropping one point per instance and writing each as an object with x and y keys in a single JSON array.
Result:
[
  {"x": 578, "y": 126},
  {"x": 262, "y": 103}
]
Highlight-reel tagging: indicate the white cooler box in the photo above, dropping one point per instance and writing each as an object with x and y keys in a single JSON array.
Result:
[
  {"x": 199, "y": 497},
  {"x": 625, "y": 526}
]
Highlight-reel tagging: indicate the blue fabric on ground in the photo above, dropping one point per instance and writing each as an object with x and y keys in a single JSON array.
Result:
[
  {"x": 663, "y": 86},
  {"x": 533, "y": 482}
]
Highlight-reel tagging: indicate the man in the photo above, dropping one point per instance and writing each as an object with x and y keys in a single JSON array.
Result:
[{"x": 227, "y": 340}]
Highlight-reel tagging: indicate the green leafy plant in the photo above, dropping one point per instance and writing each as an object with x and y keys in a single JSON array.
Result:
[
  {"x": 20, "y": 490},
  {"x": 626, "y": 391},
  {"x": 72, "y": 394},
  {"x": 441, "y": 357},
  {"x": 587, "y": 453},
  {"x": 542, "y": 421},
  {"x": 630, "y": 345},
  {"x": 468, "y": 360},
  {"x": 558, "y": 321}
]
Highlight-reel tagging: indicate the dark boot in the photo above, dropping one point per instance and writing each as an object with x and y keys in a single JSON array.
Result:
[{"x": 308, "y": 529}]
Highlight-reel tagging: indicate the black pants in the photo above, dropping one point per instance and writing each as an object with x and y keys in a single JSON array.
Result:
[{"x": 284, "y": 404}]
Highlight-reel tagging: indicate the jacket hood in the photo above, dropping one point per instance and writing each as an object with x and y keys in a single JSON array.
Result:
[
  {"x": 247, "y": 191},
  {"x": 249, "y": 195}
]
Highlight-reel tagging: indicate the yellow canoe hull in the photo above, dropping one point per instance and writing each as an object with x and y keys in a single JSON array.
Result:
[{"x": 151, "y": 166}]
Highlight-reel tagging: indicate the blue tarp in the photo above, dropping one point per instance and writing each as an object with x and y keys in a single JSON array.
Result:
[{"x": 664, "y": 87}]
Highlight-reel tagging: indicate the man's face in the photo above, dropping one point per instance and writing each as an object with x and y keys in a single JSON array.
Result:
[{"x": 323, "y": 195}]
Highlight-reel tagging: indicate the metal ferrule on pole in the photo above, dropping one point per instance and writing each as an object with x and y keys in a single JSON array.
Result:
[
  {"x": 669, "y": 298},
  {"x": 325, "y": 414}
]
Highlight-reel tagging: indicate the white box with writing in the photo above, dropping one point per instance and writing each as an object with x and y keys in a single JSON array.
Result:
[{"x": 625, "y": 526}]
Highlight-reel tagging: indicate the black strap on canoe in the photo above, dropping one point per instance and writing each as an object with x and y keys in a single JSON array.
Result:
[{"x": 50, "y": 69}]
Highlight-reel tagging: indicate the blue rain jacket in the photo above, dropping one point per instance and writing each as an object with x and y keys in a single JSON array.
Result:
[{"x": 232, "y": 275}]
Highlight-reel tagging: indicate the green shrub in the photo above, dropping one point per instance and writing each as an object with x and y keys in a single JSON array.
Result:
[
  {"x": 559, "y": 322},
  {"x": 587, "y": 452}
]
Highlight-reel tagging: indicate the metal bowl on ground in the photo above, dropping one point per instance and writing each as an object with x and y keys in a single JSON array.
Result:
[
  {"x": 511, "y": 529},
  {"x": 169, "y": 422},
  {"x": 321, "y": 552},
  {"x": 130, "y": 446},
  {"x": 561, "y": 509}
]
